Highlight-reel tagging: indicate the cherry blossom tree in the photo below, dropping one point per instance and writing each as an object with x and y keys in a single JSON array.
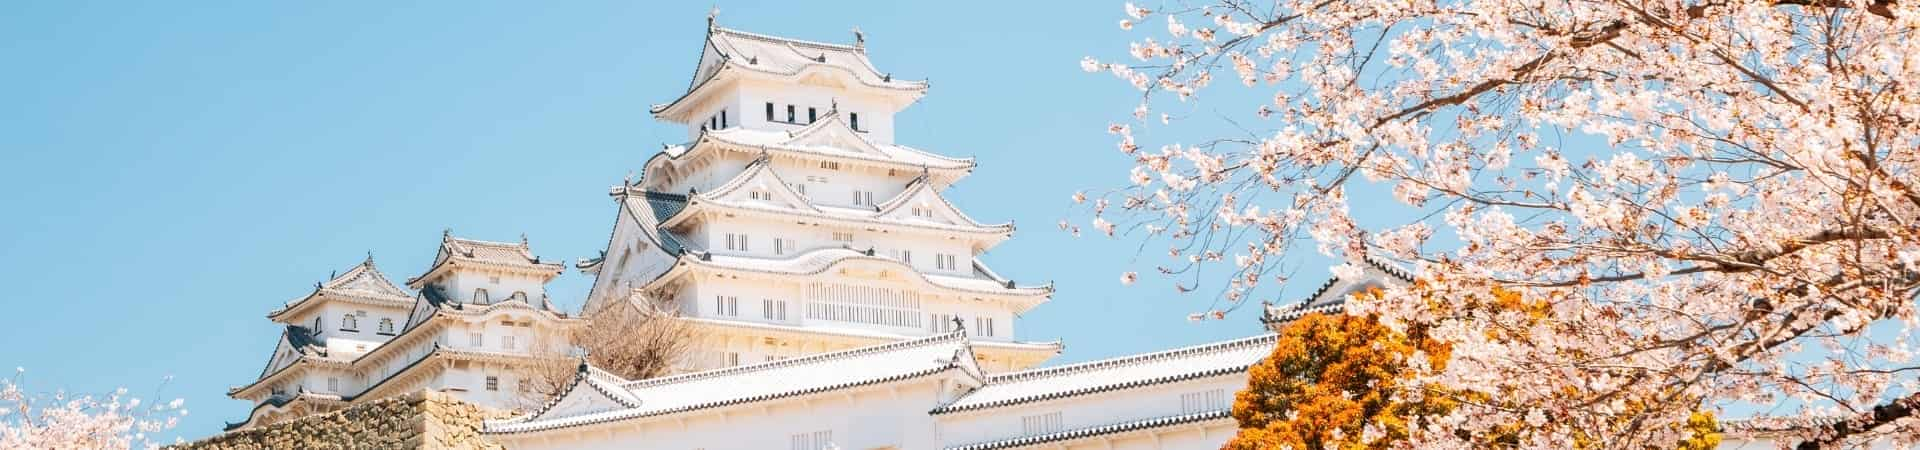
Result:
[
  {"x": 62, "y": 420},
  {"x": 1715, "y": 198}
]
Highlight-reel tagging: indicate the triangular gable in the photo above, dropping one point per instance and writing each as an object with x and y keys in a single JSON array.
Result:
[
  {"x": 367, "y": 279},
  {"x": 588, "y": 393},
  {"x": 831, "y": 131},
  {"x": 760, "y": 177},
  {"x": 934, "y": 207}
]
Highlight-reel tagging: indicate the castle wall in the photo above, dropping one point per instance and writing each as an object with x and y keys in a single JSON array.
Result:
[{"x": 420, "y": 420}]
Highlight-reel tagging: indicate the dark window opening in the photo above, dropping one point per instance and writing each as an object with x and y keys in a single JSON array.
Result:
[
  {"x": 790, "y": 118},
  {"x": 769, "y": 111},
  {"x": 812, "y": 115},
  {"x": 853, "y": 120},
  {"x": 723, "y": 118}
]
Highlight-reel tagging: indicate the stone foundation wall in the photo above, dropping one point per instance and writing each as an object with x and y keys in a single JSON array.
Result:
[{"x": 420, "y": 420}]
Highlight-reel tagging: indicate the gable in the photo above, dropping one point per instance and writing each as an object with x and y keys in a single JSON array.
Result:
[
  {"x": 760, "y": 186},
  {"x": 832, "y": 132},
  {"x": 924, "y": 204}
]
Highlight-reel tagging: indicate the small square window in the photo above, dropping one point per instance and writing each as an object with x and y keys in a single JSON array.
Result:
[{"x": 493, "y": 383}]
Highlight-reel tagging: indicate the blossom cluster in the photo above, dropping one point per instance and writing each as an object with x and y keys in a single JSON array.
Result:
[{"x": 1717, "y": 201}]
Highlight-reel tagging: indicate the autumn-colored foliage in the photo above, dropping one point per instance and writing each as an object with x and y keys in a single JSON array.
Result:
[
  {"x": 1350, "y": 382},
  {"x": 1336, "y": 380}
]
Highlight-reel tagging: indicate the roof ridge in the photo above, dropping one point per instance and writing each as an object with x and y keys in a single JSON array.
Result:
[
  {"x": 957, "y": 334},
  {"x": 1046, "y": 372},
  {"x": 787, "y": 40}
]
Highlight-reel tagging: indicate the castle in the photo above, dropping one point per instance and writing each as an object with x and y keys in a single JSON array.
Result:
[{"x": 837, "y": 297}]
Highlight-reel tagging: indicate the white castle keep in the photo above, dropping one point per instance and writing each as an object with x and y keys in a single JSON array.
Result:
[{"x": 836, "y": 296}]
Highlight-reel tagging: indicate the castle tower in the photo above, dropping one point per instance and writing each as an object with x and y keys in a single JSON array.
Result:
[
  {"x": 792, "y": 224},
  {"x": 481, "y": 315}
]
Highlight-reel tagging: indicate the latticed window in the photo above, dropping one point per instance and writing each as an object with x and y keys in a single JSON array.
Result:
[
  {"x": 1040, "y": 424},
  {"x": 349, "y": 323},
  {"x": 863, "y": 304},
  {"x": 386, "y": 326},
  {"x": 1203, "y": 401},
  {"x": 818, "y": 440}
]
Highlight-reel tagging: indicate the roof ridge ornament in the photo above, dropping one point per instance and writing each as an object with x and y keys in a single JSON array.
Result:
[
  {"x": 712, "y": 14},
  {"x": 859, "y": 39}
]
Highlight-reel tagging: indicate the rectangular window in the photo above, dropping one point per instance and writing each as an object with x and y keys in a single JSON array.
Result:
[
  {"x": 906, "y": 256},
  {"x": 829, "y": 165},
  {"x": 1203, "y": 401},
  {"x": 862, "y": 198},
  {"x": 743, "y": 244},
  {"x": 771, "y": 309},
  {"x": 723, "y": 118},
  {"x": 983, "y": 326},
  {"x": 1040, "y": 424},
  {"x": 506, "y": 342},
  {"x": 730, "y": 244},
  {"x": 812, "y": 115},
  {"x": 942, "y": 323},
  {"x": 790, "y": 118},
  {"x": 713, "y": 123},
  {"x": 800, "y": 188},
  {"x": 493, "y": 383},
  {"x": 781, "y": 246},
  {"x": 818, "y": 440},
  {"x": 730, "y": 359},
  {"x": 842, "y": 237},
  {"x": 760, "y": 195},
  {"x": 333, "y": 384},
  {"x": 726, "y": 305},
  {"x": 854, "y": 121},
  {"x": 945, "y": 261},
  {"x": 475, "y": 340},
  {"x": 769, "y": 111}
]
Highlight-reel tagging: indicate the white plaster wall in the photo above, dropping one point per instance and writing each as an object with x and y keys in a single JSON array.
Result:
[
  {"x": 1207, "y": 436},
  {"x": 631, "y": 261},
  {"x": 461, "y": 286},
  {"x": 701, "y": 302},
  {"x": 366, "y": 336},
  {"x": 876, "y": 118},
  {"x": 762, "y": 231},
  {"x": 1087, "y": 410},
  {"x": 884, "y": 416}
]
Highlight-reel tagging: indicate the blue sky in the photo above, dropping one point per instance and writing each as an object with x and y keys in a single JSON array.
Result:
[{"x": 169, "y": 172}]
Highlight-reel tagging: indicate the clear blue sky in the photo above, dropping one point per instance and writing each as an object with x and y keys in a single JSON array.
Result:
[{"x": 171, "y": 171}]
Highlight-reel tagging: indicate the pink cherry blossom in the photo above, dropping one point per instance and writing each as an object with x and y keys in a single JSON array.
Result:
[{"x": 1715, "y": 203}]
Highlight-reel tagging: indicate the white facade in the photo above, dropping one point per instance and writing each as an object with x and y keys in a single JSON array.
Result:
[
  {"x": 841, "y": 299},
  {"x": 838, "y": 298},
  {"x": 793, "y": 224},
  {"x": 480, "y": 312}
]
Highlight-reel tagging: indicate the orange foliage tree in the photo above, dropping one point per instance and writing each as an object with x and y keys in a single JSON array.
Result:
[{"x": 1337, "y": 381}]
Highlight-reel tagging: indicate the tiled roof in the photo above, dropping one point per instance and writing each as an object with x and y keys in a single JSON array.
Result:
[
  {"x": 649, "y": 208},
  {"x": 1320, "y": 302},
  {"x": 507, "y": 255},
  {"x": 816, "y": 329},
  {"x": 862, "y": 149},
  {"x": 1102, "y": 430},
  {"x": 821, "y": 260},
  {"x": 363, "y": 282},
  {"x": 1047, "y": 383},
  {"x": 771, "y": 380},
  {"x": 279, "y": 401},
  {"x": 778, "y": 56}
]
